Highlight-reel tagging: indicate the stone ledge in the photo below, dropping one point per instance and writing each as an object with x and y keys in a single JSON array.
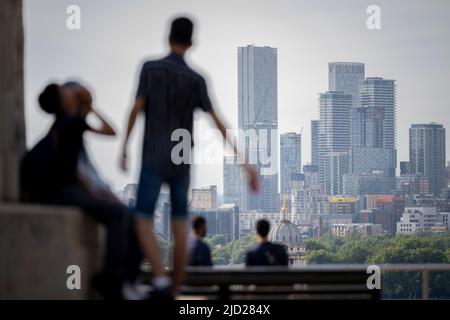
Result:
[{"x": 38, "y": 243}]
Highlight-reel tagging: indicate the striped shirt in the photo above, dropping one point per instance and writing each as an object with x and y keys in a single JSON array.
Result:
[{"x": 171, "y": 91}]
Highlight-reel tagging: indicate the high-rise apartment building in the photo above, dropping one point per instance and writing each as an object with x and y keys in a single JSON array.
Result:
[
  {"x": 427, "y": 154},
  {"x": 378, "y": 99},
  {"x": 204, "y": 198},
  {"x": 232, "y": 180},
  {"x": 344, "y": 77},
  {"x": 290, "y": 159},
  {"x": 447, "y": 170},
  {"x": 336, "y": 166},
  {"x": 315, "y": 142},
  {"x": 258, "y": 117},
  {"x": 334, "y": 137}
]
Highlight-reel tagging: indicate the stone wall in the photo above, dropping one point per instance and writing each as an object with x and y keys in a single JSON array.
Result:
[{"x": 38, "y": 243}]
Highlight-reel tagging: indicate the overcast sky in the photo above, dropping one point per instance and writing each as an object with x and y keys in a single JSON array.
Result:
[{"x": 412, "y": 47}]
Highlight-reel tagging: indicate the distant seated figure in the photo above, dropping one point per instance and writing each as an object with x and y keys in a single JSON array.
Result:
[
  {"x": 266, "y": 253},
  {"x": 198, "y": 251}
]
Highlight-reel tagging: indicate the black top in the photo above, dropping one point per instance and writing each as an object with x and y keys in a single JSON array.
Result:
[
  {"x": 52, "y": 163},
  {"x": 200, "y": 254},
  {"x": 69, "y": 143},
  {"x": 171, "y": 91},
  {"x": 267, "y": 254}
]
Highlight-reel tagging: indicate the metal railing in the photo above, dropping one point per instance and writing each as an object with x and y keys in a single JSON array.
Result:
[
  {"x": 305, "y": 281},
  {"x": 425, "y": 270}
]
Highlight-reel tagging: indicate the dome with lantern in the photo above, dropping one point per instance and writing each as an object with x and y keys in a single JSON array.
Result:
[{"x": 285, "y": 231}]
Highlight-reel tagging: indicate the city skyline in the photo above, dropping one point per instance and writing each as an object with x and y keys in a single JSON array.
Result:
[{"x": 308, "y": 35}]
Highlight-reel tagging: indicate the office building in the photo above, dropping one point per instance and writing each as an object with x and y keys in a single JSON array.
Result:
[
  {"x": 447, "y": 174},
  {"x": 416, "y": 219},
  {"x": 373, "y": 154},
  {"x": 427, "y": 154},
  {"x": 378, "y": 98},
  {"x": 223, "y": 221},
  {"x": 336, "y": 166},
  {"x": 232, "y": 180},
  {"x": 315, "y": 142},
  {"x": 258, "y": 117},
  {"x": 345, "y": 229},
  {"x": 367, "y": 160},
  {"x": 383, "y": 209},
  {"x": 204, "y": 198},
  {"x": 373, "y": 183},
  {"x": 290, "y": 159},
  {"x": 342, "y": 205},
  {"x": 334, "y": 137},
  {"x": 344, "y": 77},
  {"x": 404, "y": 168}
]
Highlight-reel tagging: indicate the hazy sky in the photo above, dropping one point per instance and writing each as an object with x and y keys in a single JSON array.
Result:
[{"x": 412, "y": 47}]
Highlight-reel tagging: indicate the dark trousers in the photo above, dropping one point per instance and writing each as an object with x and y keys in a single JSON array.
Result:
[{"x": 123, "y": 255}]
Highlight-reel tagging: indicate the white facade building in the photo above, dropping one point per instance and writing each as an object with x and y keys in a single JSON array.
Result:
[
  {"x": 345, "y": 229},
  {"x": 416, "y": 219}
]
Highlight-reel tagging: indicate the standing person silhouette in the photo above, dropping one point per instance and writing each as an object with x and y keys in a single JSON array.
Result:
[{"x": 168, "y": 93}]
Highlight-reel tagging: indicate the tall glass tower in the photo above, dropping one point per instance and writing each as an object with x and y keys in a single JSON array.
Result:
[
  {"x": 290, "y": 159},
  {"x": 378, "y": 98},
  {"x": 334, "y": 130},
  {"x": 258, "y": 112},
  {"x": 344, "y": 77},
  {"x": 314, "y": 142},
  {"x": 232, "y": 182},
  {"x": 427, "y": 154}
]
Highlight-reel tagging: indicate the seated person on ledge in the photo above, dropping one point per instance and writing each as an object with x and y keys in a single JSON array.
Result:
[
  {"x": 266, "y": 253},
  {"x": 198, "y": 250}
]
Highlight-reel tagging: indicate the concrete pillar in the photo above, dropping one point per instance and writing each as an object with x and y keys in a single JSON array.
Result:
[{"x": 12, "y": 123}]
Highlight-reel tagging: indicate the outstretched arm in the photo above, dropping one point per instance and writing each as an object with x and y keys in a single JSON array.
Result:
[
  {"x": 252, "y": 175},
  {"x": 137, "y": 107}
]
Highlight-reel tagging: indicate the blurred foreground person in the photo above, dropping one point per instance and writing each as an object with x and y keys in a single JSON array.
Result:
[
  {"x": 198, "y": 251},
  {"x": 266, "y": 253},
  {"x": 50, "y": 174},
  {"x": 168, "y": 93}
]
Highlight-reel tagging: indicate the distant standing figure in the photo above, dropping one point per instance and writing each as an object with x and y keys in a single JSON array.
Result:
[
  {"x": 266, "y": 253},
  {"x": 168, "y": 93},
  {"x": 198, "y": 251}
]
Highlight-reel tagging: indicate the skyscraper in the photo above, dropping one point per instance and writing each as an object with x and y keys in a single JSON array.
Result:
[
  {"x": 344, "y": 77},
  {"x": 334, "y": 131},
  {"x": 290, "y": 159},
  {"x": 336, "y": 165},
  {"x": 232, "y": 180},
  {"x": 378, "y": 98},
  {"x": 447, "y": 170},
  {"x": 373, "y": 155},
  {"x": 204, "y": 198},
  {"x": 258, "y": 112},
  {"x": 314, "y": 142},
  {"x": 427, "y": 154}
]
